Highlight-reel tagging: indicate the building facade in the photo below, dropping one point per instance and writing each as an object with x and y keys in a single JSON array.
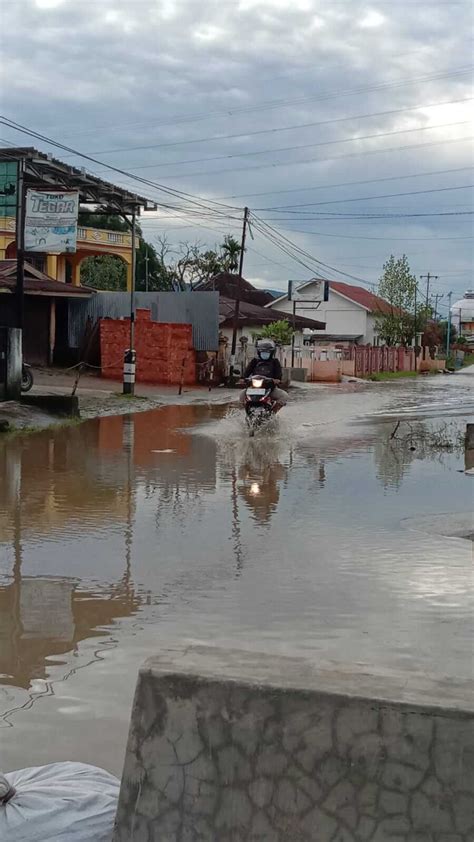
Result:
[
  {"x": 91, "y": 242},
  {"x": 350, "y": 314}
]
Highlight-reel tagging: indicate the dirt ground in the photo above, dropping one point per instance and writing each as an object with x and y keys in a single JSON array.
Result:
[{"x": 99, "y": 397}]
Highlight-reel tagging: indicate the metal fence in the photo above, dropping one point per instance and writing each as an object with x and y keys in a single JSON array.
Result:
[{"x": 199, "y": 309}]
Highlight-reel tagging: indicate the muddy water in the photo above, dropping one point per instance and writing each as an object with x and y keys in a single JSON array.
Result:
[{"x": 324, "y": 537}]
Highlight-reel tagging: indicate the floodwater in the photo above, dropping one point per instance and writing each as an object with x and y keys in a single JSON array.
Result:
[{"x": 326, "y": 537}]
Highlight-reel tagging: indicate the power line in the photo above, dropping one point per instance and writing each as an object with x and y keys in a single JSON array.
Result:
[
  {"x": 389, "y": 239},
  {"x": 276, "y": 165},
  {"x": 277, "y": 130},
  {"x": 367, "y": 198},
  {"x": 282, "y": 103},
  {"x": 255, "y": 152},
  {"x": 287, "y": 245},
  {"x": 192, "y": 199},
  {"x": 347, "y": 183}
]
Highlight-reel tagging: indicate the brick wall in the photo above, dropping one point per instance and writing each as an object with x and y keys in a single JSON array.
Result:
[{"x": 161, "y": 349}]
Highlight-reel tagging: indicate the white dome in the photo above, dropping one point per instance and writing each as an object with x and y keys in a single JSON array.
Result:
[{"x": 464, "y": 307}]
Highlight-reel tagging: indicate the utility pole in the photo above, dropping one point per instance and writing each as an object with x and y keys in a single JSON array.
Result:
[
  {"x": 448, "y": 332},
  {"x": 429, "y": 277},
  {"x": 146, "y": 269},
  {"x": 20, "y": 243},
  {"x": 237, "y": 300},
  {"x": 129, "y": 362},
  {"x": 414, "y": 318},
  {"x": 437, "y": 297}
]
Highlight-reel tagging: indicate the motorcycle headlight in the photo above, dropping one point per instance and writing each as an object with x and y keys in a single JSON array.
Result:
[{"x": 257, "y": 382}]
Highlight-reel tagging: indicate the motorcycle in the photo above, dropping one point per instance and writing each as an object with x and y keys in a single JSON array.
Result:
[
  {"x": 26, "y": 377},
  {"x": 259, "y": 404}
]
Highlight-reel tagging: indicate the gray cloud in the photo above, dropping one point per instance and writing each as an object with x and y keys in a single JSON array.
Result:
[{"x": 115, "y": 74}]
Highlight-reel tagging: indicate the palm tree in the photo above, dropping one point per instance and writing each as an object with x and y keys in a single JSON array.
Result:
[{"x": 230, "y": 250}]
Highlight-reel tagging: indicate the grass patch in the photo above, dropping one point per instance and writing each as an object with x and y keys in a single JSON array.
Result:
[
  {"x": 392, "y": 375},
  {"x": 30, "y": 429},
  {"x": 468, "y": 359}
]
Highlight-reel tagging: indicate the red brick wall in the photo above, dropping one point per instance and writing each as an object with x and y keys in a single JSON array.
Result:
[{"x": 160, "y": 349}]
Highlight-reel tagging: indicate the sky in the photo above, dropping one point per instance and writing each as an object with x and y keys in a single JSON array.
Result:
[{"x": 313, "y": 114}]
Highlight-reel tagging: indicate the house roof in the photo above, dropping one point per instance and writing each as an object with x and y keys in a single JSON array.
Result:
[
  {"x": 227, "y": 284},
  {"x": 38, "y": 283},
  {"x": 362, "y": 296},
  {"x": 252, "y": 314},
  {"x": 43, "y": 171},
  {"x": 359, "y": 295}
]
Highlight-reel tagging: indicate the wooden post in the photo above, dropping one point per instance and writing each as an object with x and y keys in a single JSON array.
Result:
[{"x": 181, "y": 382}]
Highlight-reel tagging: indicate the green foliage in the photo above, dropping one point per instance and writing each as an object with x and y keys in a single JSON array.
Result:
[
  {"x": 107, "y": 221},
  {"x": 397, "y": 285},
  {"x": 230, "y": 254},
  {"x": 281, "y": 332},
  {"x": 104, "y": 272},
  {"x": 444, "y": 333},
  {"x": 168, "y": 268},
  {"x": 159, "y": 276}
]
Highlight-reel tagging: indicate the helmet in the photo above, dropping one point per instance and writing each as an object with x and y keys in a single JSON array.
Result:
[{"x": 266, "y": 347}]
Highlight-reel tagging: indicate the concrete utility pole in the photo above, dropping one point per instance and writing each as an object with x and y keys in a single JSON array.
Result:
[
  {"x": 129, "y": 362},
  {"x": 437, "y": 297},
  {"x": 448, "y": 332},
  {"x": 20, "y": 243},
  {"x": 237, "y": 300},
  {"x": 429, "y": 277},
  {"x": 146, "y": 269}
]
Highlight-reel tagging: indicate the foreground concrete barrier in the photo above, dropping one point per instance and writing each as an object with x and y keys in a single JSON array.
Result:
[{"x": 232, "y": 746}]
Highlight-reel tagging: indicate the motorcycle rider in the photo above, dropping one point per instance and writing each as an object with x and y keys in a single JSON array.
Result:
[{"x": 265, "y": 364}]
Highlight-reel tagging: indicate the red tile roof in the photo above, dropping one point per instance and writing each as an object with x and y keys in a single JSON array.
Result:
[{"x": 362, "y": 296}]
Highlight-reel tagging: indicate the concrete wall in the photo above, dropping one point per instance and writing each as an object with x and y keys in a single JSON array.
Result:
[{"x": 239, "y": 747}]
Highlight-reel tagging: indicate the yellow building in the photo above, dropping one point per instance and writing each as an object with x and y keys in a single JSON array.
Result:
[{"x": 61, "y": 267}]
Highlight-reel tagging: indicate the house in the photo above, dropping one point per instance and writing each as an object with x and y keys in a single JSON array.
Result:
[
  {"x": 45, "y": 310},
  {"x": 254, "y": 312},
  {"x": 350, "y": 313},
  {"x": 90, "y": 241}
]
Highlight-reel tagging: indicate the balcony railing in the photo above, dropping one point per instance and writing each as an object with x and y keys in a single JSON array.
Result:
[{"x": 85, "y": 234}]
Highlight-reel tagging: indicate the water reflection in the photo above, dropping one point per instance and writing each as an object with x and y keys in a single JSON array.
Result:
[
  {"x": 261, "y": 476},
  {"x": 287, "y": 534},
  {"x": 45, "y": 617}
]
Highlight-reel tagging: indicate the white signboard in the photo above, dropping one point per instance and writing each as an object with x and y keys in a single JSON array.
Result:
[
  {"x": 314, "y": 291},
  {"x": 51, "y": 221}
]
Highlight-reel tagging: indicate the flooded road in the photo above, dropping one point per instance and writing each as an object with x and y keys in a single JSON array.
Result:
[{"x": 327, "y": 538}]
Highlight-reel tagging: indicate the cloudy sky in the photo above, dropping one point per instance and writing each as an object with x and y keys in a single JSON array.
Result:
[{"x": 312, "y": 113}]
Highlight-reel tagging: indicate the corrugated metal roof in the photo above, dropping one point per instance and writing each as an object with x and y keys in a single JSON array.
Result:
[{"x": 201, "y": 311}]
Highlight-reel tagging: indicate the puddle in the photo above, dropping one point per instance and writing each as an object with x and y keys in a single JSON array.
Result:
[{"x": 321, "y": 539}]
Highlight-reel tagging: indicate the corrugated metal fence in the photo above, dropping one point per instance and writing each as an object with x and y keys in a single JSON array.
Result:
[{"x": 199, "y": 309}]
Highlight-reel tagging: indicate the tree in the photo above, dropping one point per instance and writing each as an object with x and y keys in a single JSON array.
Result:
[
  {"x": 104, "y": 272},
  {"x": 444, "y": 333},
  {"x": 100, "y": 271},
  {"x": 281, "y": 332},
  {"x": 230, "y": 253},
  {"x": 398, "y": 286},
  {"x": 157, "y": 276},
  {"x": 189, "y": 264}
]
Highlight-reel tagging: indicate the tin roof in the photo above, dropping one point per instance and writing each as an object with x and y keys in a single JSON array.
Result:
[
  {"x": 38, "y": 283},
  {"x": 43, "y": 171}
]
